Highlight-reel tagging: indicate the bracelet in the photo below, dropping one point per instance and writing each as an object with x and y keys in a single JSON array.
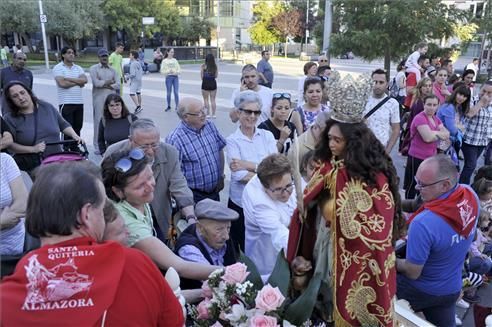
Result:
[{"x": 187, "y": 218}]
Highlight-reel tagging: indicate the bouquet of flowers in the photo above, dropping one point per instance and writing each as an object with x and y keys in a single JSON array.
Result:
[{"x": 232, "y": 300}]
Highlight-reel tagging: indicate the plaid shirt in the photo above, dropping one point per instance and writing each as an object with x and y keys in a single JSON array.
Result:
[
  {"x": 199, "y": 153},
  {"x": 478, "y": 129}
]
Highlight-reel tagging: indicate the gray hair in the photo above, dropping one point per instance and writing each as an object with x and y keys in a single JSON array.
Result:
[
  {"x": 181, "y": 111},
  {"x": 144, "y": 124},
  {"x": 445, "y": 167},
  {"x": 321, "y": 119},
  {"x": 247, "y": 97}
]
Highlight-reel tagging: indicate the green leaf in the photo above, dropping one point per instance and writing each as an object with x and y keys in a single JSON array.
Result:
[
  {"x": 254, "y": 276},
  {"x": 280, "y": 276},
  {"x": 301, "y": 309}
]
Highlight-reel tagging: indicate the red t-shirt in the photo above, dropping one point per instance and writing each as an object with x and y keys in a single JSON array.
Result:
[
  {"x": 411, "y": 82},
  {"x": 82, "y": 283}
]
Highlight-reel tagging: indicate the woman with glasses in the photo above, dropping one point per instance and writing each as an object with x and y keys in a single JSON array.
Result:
[
  {"x": 115, "y": 123},
  {"x": 425, "y": 133},
  {"x": 269, "y": 200},
  {"x": 129, "y": 183},
  {"x": 34, "y": 123},
  {"x": 279, "y": 124},
  {"x": 246, "y": 147},
  {"x": 305, "y": 115}
]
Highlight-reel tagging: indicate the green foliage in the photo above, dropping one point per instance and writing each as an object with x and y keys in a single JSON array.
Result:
[
  {"x": 19, "y": 16},
  {"x": 390, "y": 29},
  {"x": 196, "y": 28},
  {"x": 261, "y": 31},
  {"x": 73, "y": 19},
  {"x": 280, "y": 276},
  {"x": 301, "y": 309},
  {"x": 127, "y": 15}
]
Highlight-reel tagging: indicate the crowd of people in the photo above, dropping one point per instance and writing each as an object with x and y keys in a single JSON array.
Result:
[{"x": 313, "y": 178}]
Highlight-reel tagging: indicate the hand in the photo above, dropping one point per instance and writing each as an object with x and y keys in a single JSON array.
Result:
[
  {"x": 237, "y": 164},
  {"x": 8, "y": 222},
  {"x": 244, "y": 86},
  {"x": 40, "y": 147},
  {"x": 284, "y": 134}
]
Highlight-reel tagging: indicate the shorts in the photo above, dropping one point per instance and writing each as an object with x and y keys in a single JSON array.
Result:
[
  {"x": 209, "y": 84},
  {"x": 135, "y": 87}
]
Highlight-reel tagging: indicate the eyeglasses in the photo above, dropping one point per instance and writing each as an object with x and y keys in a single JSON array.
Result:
[
  {"x": 201, "y": 113},
  {"x": 281, "y": 95},
  {"x": 125, "y": 164},
  {"x": 251, "y": 112},
  {"x": 147, "y": 146},
  {"x": 281, "y": 190},
  {"x": 419, "y": 185},
  {"x": 322, "y": 60}
]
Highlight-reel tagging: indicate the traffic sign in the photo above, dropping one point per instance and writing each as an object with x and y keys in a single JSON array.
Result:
[{"x": 43, "y": 18}]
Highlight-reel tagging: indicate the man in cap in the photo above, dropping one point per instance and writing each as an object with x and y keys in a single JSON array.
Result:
[
  {"x": 208, "y": 240},
  {"x": 105, "y": 81}
]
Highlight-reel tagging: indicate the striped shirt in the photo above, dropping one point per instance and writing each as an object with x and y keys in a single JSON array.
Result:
[
  {"x": 199, "y": 153},
  {"x": 478, "y": 129},
  {"x": 72, "y": 95}
]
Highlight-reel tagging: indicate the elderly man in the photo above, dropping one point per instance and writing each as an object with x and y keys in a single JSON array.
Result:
[
  {"x": 170, "y": 182},
  {"x": 249, "y": 81},
  {"x": 105, "y": 81},
  {"x": 439, "y": 237},
  {"x": 200, "y": 148},
  {"x": 322, "y": 61},
  {"x": 208, "y": 240},
  {"x": 74, "y": 277},
  {"x": 16, "y": 72}
]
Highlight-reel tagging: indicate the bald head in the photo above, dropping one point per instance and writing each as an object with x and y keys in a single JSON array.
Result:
[
  {"x": 435, "y": 176},
  {"x": 191, "y": 111}
]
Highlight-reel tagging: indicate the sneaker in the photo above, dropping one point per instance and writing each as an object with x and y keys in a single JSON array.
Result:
[
  {"x": 458, "y": 321},
  {"x": 471, "y": 299},
  {"x": 167, "y": 109},
  {"x": 138, "y": 110},
  {"x": 462, "y": 304}
]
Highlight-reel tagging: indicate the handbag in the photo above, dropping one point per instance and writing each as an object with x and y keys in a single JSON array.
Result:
[{"x": 29, "y": 161}]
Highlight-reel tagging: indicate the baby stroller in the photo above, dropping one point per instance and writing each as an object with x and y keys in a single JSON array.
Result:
[{"x": 76, "y": 152}]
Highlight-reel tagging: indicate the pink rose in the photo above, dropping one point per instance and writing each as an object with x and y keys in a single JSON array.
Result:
[
  {"x": 235, "y": 273},
  {"x": 263, "y": 321},
  {"x": 206, "y": 290},
  {"x": 202, "y": 309},
  {"x": 269, "y": 298}
]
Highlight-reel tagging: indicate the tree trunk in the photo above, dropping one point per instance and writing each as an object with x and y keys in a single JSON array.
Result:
[
  {"x": 27, "y": 39},
  {"x": 387, "y": 62},
  {"x": 285, "y": 48}
]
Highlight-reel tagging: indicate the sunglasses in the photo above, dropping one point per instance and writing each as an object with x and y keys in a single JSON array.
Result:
[
  {"x": 125, "y": 164},
  {"x": 251, "y": 112},
  {"x": 281, "y": 95},
  {"x": 323, "y": 61}
]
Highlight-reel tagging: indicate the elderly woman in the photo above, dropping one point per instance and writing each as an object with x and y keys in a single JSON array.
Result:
[
  {"x": 13, "y": 201},
  {"x": 34, "y": 123},
  {"x": 246, "y": 147},
  {"x": 268, "y": 203},
  {"x": 129, "y": 182}
]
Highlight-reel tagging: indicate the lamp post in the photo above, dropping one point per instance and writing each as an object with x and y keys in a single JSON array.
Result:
[{"x": 43, "y": 19}]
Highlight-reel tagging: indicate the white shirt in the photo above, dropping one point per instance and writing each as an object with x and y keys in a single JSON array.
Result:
[
  {"x": 72, "y": 95},
  {"x": 267, "y": 225},
  {"x": 266, "y": 96},
  {"x": 380, "y": 121},
  {"x": 400, "y": 80},
  {"x": 239, "y": 146}
]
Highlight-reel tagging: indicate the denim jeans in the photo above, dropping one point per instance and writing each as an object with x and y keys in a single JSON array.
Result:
[
  {"x": 172, "y": 81},
  {"x": 488, "y": 154},
  {"x": 471, "y": 153},
  {"x": 482, "y": 266},
  {"x": 439, "y": 310}
]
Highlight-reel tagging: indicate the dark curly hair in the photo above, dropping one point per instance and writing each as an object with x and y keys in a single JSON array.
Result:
[{"x": 364, "y": 158}]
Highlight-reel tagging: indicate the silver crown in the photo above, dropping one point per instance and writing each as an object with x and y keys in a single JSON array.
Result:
[{"x": 348, "y": 96}]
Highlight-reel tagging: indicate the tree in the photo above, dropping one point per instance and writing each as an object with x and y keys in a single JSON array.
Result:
[
  {"x": 21, "y": 17},
  {"x": 73, "y": 19},
  {"x": 288, "y": 24},
  {"x": 127, "y": 15},
  {"x": 196, "y": 28},
  {"x": 390, "y": 29},
  {"x": 261, "y": 31}
]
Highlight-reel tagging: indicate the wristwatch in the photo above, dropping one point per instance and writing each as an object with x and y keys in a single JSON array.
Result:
[{"x": 187, "y": 218}]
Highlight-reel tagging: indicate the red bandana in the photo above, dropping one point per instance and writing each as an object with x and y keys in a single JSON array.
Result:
[
  {"x": 68, "y": 283},
  {"x": 459, "y": 209}
]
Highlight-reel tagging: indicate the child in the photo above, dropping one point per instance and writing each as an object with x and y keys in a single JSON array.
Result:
[{"x": 412, "y": 65}]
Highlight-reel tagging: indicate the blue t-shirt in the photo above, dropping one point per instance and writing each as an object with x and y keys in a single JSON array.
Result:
[{"x": 432, "y": 242}]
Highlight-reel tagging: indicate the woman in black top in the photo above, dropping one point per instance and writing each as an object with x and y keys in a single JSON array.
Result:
[
  {"x": 115, "y": 123},
  {"x": 280, "y": 126}
]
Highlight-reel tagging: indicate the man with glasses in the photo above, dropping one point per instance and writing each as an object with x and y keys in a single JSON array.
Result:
[
  {"x": 268, "y": 201},
  {"x": 265, "y": 70},
  {"x": 249, "y": 81},
  {"x": 16, "y": 72},
  {"x": 169, "y": 180},
  {"x": 200, "y": 148},
  {"x": 208, "y": 240},
  {"x": 322, "y": 61},
  {"x": 439, "y": 237}
]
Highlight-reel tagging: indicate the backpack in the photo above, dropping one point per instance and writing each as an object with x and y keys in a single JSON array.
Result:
[{"x": 393, "y": 88}]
